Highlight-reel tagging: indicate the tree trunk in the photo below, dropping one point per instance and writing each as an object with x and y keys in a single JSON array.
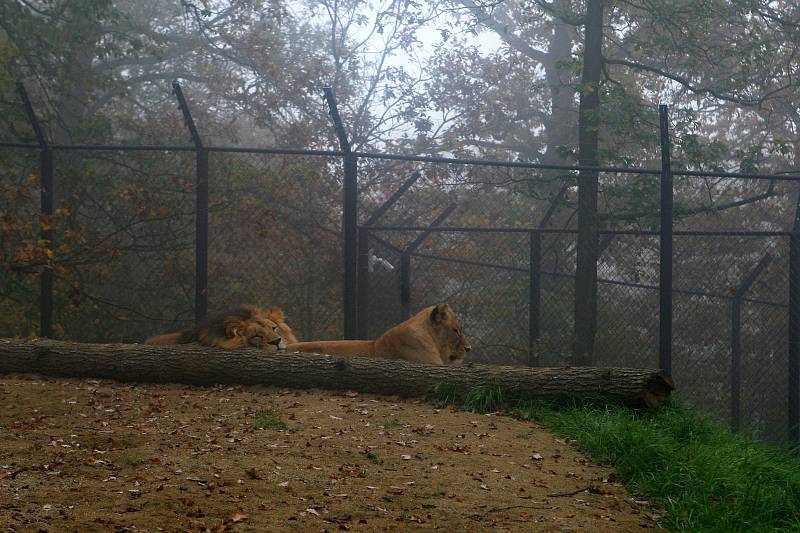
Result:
[
  {"x": 197, "y": 365},
  {"x": 559, "y": 128},
  {"x": 588, "y": 139}
]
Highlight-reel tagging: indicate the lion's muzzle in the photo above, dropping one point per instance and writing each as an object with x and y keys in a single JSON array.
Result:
[{"x": 278, "y": 343}]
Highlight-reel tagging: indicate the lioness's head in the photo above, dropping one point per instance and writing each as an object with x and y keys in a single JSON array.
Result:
[{"x": 448, "y": 329}]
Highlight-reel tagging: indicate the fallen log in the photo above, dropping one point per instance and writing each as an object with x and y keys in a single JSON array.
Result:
[{"x": 198, "y": 365}]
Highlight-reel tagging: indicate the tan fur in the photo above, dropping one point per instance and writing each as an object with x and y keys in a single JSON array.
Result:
[
  {"x": 165, "y": 339},
  {"x": 433, "y": 336},
  {"x": 237, "y": 328}
]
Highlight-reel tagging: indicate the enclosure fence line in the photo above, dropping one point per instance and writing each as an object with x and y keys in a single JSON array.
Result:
[{"x": 355, "y": 261}]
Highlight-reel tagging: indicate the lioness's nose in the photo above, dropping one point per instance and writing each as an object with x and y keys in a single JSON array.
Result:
[
  {"x": 467, "y": 348},
  {"x": 276, "y": 342}
]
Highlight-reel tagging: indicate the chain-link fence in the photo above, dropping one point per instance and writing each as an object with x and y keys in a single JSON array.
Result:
[
  {"x": 512, "y": 281},
  {"x": 141, "y": 239}
]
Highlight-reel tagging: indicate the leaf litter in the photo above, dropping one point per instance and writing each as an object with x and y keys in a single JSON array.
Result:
[{"x": 96, "y": 455}]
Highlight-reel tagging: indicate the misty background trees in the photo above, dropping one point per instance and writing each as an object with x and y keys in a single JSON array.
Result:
[{"x": 554, "y": 82}]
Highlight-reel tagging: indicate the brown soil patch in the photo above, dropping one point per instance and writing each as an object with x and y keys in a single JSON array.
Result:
[{"x": 87, "y": 455}]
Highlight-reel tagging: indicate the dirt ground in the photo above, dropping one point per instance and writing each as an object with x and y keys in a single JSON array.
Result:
[{"x": 88, "y": 455}]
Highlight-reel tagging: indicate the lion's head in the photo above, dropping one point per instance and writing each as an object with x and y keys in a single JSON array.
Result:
[
  {"x": 240, "y": 327},
  {"x": 257, "y": 332},
  {"x": 245, "y": 326},
  {"x": 450, "y": 333},
  {"x": 275, "y": 314}
]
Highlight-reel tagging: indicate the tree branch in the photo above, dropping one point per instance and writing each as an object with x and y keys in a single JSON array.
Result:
[
  {"x": 502, "y": 30},
  {"x": 686, "y": 82}
]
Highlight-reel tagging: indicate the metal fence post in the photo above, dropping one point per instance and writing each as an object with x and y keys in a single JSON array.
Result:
[
  {"x": 350, "y": 221},
  {"x": 201, "y": 211},
  {"x": 46, "y": 212},
  {"x": 534, "y": 296},
  {"x": 665, "y": 249}
]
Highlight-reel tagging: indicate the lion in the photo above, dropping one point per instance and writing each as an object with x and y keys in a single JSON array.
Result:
[
  {"x": 433, "y": 336},
  {"x": 244, "y": 326}
]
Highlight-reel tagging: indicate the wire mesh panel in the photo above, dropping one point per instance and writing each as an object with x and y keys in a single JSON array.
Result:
[
  {"x": 22, "y": 256},
  {"x": 484, "y": 277},
  {"x": 124, "y": 243},
  {"x": 764, "y": 398},
  {"x": 275, "y": 237},
  {"x": 717, "y": 204},
  {"x": 498, "y": 241},
  {"x": 383, "y": 307},
  {"x": 701, "y": 352},
  {"x": 730, "y": 334},
  {"x": 628, "y": 301},
  {"x": 557, "y": 315},
  {"x": 764, "y": 348}
]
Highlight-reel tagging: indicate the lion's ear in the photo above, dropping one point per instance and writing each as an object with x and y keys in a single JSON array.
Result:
[
  {"x": 440, "y": 313},
  {"x": 276, "y": 314}
]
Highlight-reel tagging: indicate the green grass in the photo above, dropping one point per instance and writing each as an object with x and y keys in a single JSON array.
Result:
[
  {"x": 705, "y": 478},
  {"x": 392, "y": 423},
  {"x": 373, "y": 457},
  {"x": 269, "y": 419},
  {"x": 133, "y": 461}
]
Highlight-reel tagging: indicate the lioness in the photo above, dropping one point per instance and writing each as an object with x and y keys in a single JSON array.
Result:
[
  {"x": 237, "y": 328},
  {"x": 434, "y": 336}
]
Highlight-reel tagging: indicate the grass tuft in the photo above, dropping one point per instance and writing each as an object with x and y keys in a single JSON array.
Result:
[
  {"x": 269, "y": 419},
  {"x": 133, "y": 461},
  {"x": 392, "y": 423},
  {"x": 485, "y": 398},
  {"x": 443, "y": 394}
]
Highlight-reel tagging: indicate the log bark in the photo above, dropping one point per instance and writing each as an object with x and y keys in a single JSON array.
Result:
[{"x": 198, "y": 365}]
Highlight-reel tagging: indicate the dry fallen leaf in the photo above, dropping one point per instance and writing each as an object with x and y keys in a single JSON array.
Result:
[{"x": 238, "y": 517}]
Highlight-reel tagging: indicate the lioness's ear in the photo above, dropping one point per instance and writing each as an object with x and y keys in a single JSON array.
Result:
[
  {"x": 440, "y": 312},
  {"x": 276, "y": 314}
]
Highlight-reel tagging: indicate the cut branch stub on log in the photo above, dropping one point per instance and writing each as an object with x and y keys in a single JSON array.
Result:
[{"x": 198, "y": 365}]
